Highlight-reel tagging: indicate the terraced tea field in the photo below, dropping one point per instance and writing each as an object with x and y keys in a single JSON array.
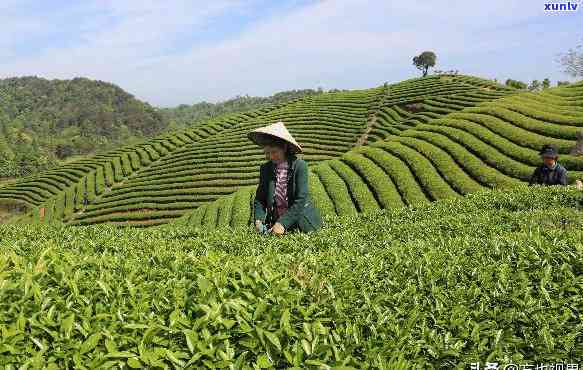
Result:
[
  {"x": 162, "y": 179},
  {"x": 459, "y": 151},
  {"x": 495, "y": 275},
  {"x": 431, "y": 100}
]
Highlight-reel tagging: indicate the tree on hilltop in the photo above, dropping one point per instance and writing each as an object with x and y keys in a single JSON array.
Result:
[
  {"x": 516, "y": 84},
  {"x": 535, "y": 85},
  {"x": 572, "y": 61},
  {"x": 424, "y": 61}
]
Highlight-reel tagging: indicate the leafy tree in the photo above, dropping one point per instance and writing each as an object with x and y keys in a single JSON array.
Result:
[
  {"x": 535, "y": 85},
  {"x": 562, "y": 83},
  {"x": 424, "y": 61},
  {"x": 546, "y": 83},
  {"x": 572, "y": 61},
  {"x": 7, "y": 165},
  {"x": 516, "y": 84},
  {"x": 64, "y": 150}
]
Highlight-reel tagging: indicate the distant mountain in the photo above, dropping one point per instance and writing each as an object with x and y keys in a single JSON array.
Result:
[
  {"x": 186, "y": 115},
  {"x": 45, "y": 122}
]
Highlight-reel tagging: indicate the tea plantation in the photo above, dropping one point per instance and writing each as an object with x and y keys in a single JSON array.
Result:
[
  {"x": 495, "y": 276},
  {"x": 434, "y": 253},
  {"x": 164, "y": 178},
  {"x": 457, "y": 152}
]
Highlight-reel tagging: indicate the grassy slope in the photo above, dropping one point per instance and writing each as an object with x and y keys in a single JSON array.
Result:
[
  {"x": 491, "y": 276},
  {"x": 490, "y": 145}
]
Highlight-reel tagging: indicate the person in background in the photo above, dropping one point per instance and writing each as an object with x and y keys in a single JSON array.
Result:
[
  {"x": 282, "y": 200},
  {"x": 550, "y": 172}
]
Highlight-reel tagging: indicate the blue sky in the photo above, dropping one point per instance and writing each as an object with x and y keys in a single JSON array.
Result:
[{"x": 184, "y": 51}]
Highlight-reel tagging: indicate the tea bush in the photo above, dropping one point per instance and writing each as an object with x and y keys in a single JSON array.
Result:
[{"x": 492, "y": 276}]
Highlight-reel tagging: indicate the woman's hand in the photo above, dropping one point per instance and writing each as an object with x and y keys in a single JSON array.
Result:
[{"x": 278, "y": 229}]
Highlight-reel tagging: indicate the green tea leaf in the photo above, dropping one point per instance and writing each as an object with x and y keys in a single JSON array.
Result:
[
  {"x": 263, "y": 361},
  {"x": 121, "y": 354},
  {"x": 67, "y": 325},
  {"x": 134, "y": 363},
  {"x": 90, "y": 343},
  {"x": 273, "y": 339}
]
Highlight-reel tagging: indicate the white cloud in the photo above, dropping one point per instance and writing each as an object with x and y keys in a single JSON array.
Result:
[{"x": 340, "y": 43}]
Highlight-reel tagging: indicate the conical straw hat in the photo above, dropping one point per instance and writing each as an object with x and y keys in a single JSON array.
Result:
[{"x": 261, "y": 135}]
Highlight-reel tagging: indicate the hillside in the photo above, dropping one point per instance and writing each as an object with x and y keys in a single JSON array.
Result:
[
  {"x": 407, "y": 143},
  {"x": 185, "y": 115},
  {"x": 43, "y": 122},
  {"x": 61, "y": 190},
  {"x": 491, "y": 276},
  {"x": 447, "y": 150}
]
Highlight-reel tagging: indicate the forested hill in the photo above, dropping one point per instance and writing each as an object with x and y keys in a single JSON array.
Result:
[{"x": 45, "y": 121}]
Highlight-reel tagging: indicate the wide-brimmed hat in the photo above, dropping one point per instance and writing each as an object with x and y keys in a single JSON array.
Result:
[
  {"x": 549, "y": 151},
  {"x": 264, "y": 135}
]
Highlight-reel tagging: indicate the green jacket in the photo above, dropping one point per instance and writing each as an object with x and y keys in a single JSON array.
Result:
[{"x": 301, "y": 213}]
